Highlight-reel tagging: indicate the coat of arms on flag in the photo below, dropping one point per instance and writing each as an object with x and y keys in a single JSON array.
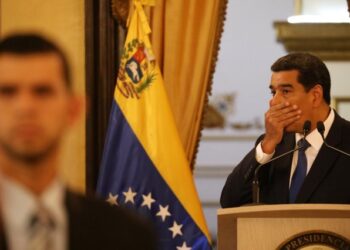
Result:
[
  {"x": 137, "y": 69},
  {"x": 144, "y": 166}
]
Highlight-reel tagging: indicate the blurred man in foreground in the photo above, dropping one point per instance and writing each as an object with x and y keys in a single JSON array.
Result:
[
  {"x": 37, "y": 105},
  {"x": 315, "y": 173}
]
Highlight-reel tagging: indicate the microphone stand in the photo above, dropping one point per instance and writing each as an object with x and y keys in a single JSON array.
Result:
[
  {"x": 320, "y": 129},
  {"x": 256, "y": 184}
]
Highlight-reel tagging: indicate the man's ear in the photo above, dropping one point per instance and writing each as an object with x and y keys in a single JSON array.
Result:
[
  {"x": 317, "y": 95},
  {"x": 76, "y": 109}
]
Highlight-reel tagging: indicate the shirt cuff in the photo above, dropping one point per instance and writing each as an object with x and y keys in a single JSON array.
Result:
[{"x": 260, "y": 156}]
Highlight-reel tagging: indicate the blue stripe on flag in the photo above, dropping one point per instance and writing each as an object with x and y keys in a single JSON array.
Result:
[{"x": 125, "y": 164}]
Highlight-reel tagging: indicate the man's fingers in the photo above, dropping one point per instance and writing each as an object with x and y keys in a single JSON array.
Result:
[
  {"x": 289, "y": 115},
  {"x": 290, "y": 120},
  {"x": 284, "y": 110},
  {"x": 279, "y": 106},
  {"x": 279, "y": 121},
  {"x": 277, "y": 118}
]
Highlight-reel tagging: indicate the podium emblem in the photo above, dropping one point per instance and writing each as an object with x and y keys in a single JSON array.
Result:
[{"x": 316, "y": 240}]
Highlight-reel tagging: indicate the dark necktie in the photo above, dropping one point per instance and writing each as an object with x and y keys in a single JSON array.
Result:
[{"x": 300, "y": 171}]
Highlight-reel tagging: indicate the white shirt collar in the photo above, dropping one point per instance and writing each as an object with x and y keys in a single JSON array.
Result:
[
  {"x": 19, "y": 204},
  {"x": 314, "y": 137}
]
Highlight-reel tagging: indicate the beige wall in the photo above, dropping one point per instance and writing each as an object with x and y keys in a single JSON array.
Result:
[{"x": 62, "y": 21}]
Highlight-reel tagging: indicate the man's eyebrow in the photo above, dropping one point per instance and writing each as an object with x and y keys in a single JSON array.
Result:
[
  {"x": 7, "y": 84},
  {"x": 283, "y": 85}
]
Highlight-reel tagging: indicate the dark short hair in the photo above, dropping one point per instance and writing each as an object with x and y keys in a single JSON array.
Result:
[
  {"x": 26, "y": 44},
  {"x": 312, "y": 71}
]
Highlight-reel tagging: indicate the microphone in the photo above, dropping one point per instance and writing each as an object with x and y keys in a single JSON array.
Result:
[
  {"x": 320, "y": 129},
  {"x": 255, "y": 184}
]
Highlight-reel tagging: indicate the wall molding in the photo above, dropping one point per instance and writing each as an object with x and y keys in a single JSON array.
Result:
[
  {"x": 211, "y": 204},
  {"x": 212, "y": 171},
  {"x": 329, "y": 41},
  {"x": 233, "y": 138}
]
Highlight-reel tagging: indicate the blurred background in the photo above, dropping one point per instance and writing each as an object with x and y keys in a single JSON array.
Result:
[{"x": 255, "y": 34}]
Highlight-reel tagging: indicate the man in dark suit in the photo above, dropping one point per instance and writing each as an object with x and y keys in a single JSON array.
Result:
[
  {"x": 300, "y": 87},
  {"x": 37, "y": 106}
]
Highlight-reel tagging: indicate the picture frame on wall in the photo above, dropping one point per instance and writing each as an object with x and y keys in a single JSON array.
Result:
[{"x": 342, "y": 106}]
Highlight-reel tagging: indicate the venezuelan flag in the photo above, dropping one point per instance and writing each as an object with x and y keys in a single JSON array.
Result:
[{"x": 144, "y": 165}]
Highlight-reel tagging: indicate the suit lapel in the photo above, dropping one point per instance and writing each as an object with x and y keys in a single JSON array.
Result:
[
  {"x": 323, "y": 163},
  {"x": 3, "y": 242},
  {"x": 281, "y": 171},
  {"x": 74, "y": 209}
]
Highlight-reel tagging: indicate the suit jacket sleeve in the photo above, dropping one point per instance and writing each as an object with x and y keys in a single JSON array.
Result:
[{"x": 238, "y": 187}]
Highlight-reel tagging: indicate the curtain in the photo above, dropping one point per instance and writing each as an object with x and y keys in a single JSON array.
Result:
[{"x": 185, "y": 37}]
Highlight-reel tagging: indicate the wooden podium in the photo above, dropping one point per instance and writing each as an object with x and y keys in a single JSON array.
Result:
[{"x": 295, "y": 226}]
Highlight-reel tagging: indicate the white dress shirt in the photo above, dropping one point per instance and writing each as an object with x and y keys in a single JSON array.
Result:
[
  {"x": 18, "y": 206},
  {"x": 315, "y": 140}
]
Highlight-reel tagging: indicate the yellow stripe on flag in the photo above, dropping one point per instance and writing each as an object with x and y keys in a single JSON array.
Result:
[{"x": 144, "y": 103}]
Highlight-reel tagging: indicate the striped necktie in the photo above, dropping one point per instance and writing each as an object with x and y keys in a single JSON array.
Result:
[
  {"x": 41, "y": 228},
  {"x": 300, "y": 171}
]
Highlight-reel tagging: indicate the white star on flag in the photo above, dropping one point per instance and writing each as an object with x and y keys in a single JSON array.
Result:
[
  {"x": 183, "y": 247},
  {"x": 176, "y": 229},
  {"x": 112, "y": 199},
  {"x": 163, "y": 212},
  {"x": 147, "y": 200},
  {"x": 129, "y": 196}
]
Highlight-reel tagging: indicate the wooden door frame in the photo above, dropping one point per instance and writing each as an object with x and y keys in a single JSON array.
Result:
[{"x": 101, "y": 45}]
